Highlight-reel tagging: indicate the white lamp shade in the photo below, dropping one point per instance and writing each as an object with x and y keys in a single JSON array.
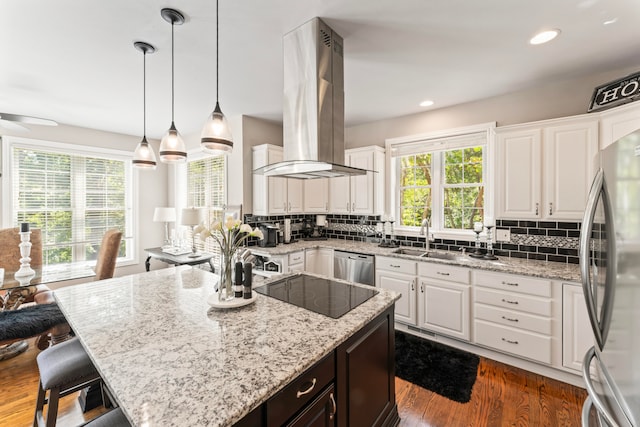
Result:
[
  {"x": 216, "y": 135},
  {"x": 144, "y": 157},
  {"x": 164, "y": 215},
  {"x": 172, "y": 148},
  {"x": 191, "y": 216}
]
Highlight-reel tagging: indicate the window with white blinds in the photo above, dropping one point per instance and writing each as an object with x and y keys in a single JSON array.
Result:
[
  {"x": 74, "y": 198},
  {"x": 206, "y": 188}
]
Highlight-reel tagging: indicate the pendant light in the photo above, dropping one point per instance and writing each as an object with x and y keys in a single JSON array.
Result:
[
  {"x": 172, "y": 148},
  {"x": 143, "y": 156},
  {"x": 216, "y": 135}
]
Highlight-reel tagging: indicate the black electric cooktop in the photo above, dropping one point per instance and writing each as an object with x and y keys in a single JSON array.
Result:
[{"x": 323, "y": 296}]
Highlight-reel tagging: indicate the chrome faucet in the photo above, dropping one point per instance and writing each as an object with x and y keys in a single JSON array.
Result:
[{"x": 427, "y": 239}]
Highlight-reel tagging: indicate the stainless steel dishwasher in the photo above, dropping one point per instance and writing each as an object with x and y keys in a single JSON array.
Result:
[{"x": 354, "y": 267}]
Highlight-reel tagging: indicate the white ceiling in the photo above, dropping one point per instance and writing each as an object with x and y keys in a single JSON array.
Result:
[{"x": 74, "y": 61}]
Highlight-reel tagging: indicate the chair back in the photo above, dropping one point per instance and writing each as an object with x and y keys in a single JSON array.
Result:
[
  {"x": 107, "y": 254},
  {"x": 10, "y": 249}
]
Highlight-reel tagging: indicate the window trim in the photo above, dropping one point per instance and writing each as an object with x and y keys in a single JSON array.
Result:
[
  {"x": 9, "y": 142},
  {"x": 424, "y": 138}
]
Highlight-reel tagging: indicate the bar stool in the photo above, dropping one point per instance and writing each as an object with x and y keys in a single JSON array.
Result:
[
  {"x": 64, "y": 369},
  {"x": 113, "y": 418}
]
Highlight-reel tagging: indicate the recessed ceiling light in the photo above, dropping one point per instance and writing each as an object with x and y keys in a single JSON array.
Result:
[
  {"x": 544, "y": 36},
  {"x": 426, "y": 103}
]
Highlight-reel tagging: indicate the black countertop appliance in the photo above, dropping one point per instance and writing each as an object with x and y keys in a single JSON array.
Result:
[{"x": 270, "y": 233}]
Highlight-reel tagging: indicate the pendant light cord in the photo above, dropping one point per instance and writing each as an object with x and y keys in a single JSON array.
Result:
[
  {"x": 144, "y": 93},
  {"x": 172, "y": 75},
  {"x": 217, "y": 49}
]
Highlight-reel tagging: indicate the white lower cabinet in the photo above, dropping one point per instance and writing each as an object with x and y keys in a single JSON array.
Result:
[
  {"x": 399, "y": 275},
  {"x": 577, "y": 336},
  {"x": 514, "y": 314},
  {"x": 444, "y": 299},
  {"x": 319, "y": 261},
  {"x": 296, "y": 262}
]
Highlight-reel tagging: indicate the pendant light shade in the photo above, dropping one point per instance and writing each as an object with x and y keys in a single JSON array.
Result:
[
  {"x": 143, "y": 156},
  {"x": 172, "y": 148},
  {"x": 216, "y": 135}
]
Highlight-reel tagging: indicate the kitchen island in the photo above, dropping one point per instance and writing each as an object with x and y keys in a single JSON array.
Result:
[{"x": 172, "y": 360}]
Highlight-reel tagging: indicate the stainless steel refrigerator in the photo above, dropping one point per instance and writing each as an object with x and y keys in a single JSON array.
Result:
[{"x": 610, "y": 268}]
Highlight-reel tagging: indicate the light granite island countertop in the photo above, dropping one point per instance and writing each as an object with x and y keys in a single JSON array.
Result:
[{"x": 172, "y": 360}]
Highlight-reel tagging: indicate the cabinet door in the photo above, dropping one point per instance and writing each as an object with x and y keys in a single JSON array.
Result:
[
  {"x": 569, "y": 168},
  {"x": 362, "y": 189},
  {"x": 444, "y": 307},
  {"x": 577, "y": 336},
  {"x": 618, "y": 122},
  {"x": 316, "y": 195},
  {"x": 295, "y": 190},
  {"x": 519, "y": 181},
  {"x": 405, "y": 285},
  {"x": 364, "y": 375},
  {"x": 311, "y": 260},
  {"x": 324, "y": 262},
  {"x": 340, "y": 195},
  {"x": 277, "y": 188},
  {"x": 319, "y": 413}
]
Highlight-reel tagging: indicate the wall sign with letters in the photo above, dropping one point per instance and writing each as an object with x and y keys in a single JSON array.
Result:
[{"x": 621, "y": 91}]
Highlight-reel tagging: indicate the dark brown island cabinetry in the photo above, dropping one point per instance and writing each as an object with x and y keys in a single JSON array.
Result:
[{"x": 353, "y": 386}]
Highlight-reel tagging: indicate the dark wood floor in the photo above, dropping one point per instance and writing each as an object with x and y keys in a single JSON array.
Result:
[{"x": 502, "y": 396}]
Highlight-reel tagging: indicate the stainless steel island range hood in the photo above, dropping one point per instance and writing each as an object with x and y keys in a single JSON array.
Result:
[{"x": 313, "y": 116}]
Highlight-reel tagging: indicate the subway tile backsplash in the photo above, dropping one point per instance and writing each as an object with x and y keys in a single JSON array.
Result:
[{"x": 539, "y": 240}]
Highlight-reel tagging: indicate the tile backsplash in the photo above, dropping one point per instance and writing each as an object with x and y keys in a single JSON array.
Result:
[{"x": 539, "y": 240}]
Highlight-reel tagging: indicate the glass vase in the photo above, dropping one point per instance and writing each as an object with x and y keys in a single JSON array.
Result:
[{"x": 225, "y": 286}]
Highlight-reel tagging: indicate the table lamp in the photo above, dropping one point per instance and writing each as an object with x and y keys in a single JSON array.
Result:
[
  {"x": 165, "y": 215},
  {"x": 191, "y": 218}
]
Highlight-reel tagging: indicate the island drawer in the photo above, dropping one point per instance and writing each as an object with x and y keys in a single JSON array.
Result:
[
  {"x": 288, "y": 401},
  {"x": 521, "y": 343},
  {"x": 512, "y": 283},
  {"x": 396, "y": 264}
]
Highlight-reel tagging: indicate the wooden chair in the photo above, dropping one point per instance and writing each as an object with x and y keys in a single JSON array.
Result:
[{"x": 107, "y": 255}]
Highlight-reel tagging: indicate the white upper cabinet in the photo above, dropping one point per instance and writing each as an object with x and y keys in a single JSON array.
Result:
[
  {"x": 360, "y": 195},
  {"x": 618, "y": 122},
  {"x": 274, "y": 195},
  {"x": 316, "y": 195},
  {"x": 545, "y": 169}
]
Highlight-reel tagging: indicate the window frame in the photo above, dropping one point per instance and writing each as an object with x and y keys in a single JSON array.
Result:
[
  {"x": 131, "y": 186},
  {"x": 436, "y": 142}
]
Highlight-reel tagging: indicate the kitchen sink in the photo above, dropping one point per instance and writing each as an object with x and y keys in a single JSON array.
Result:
[{"x": 412, "y": 252}]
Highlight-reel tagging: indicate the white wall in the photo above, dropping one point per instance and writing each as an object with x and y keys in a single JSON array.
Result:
[
  {"x": 152, "y": 185},
  {"x": 561, "y": 98}
]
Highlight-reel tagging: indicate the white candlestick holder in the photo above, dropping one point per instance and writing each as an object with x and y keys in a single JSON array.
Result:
[{"x": 25, "y": 251}]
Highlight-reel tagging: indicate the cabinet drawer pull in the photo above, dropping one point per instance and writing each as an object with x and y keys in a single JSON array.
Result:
[
  {"x": 550, "y": 209},
  {"x": 394, "y": 266},
  {"x": 422, "y": 287},
  {"x": 333, "y": 406},
  {"x": 537, "y": 204},
  {"x": 509, "y": 341},
  {"x": 510, "y": 283},
  {"x": 509, "y": 302},
  {"x": 413, "y": 285},
  {"x": 307, "y": 391},
  {"x": 442, "y": 274},
  {"x": 509, "y": 319}
]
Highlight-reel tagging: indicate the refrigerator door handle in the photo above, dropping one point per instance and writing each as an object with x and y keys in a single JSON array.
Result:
[
  {"x": 593, "y": 394},
  {"x": 586, "y": 411},
  {"x": 600, "y": 327}
]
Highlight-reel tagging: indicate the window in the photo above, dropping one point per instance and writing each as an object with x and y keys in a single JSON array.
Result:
[
  {"x": 442, "y": 178},
  {"x": 206, "y": 188},
  {"x": 73, "y": 196}
]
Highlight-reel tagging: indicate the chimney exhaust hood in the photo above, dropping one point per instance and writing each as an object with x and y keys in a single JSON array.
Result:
[{"x": 313, "y": 110}]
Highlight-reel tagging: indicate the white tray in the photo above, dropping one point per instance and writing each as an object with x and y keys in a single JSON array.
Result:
[{"x": 234, "y": 303}]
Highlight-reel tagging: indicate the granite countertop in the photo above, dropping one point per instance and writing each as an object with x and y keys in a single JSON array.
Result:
[
  {"x": 533, "y": 268},
  {"x": 172, "y": 360}
]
